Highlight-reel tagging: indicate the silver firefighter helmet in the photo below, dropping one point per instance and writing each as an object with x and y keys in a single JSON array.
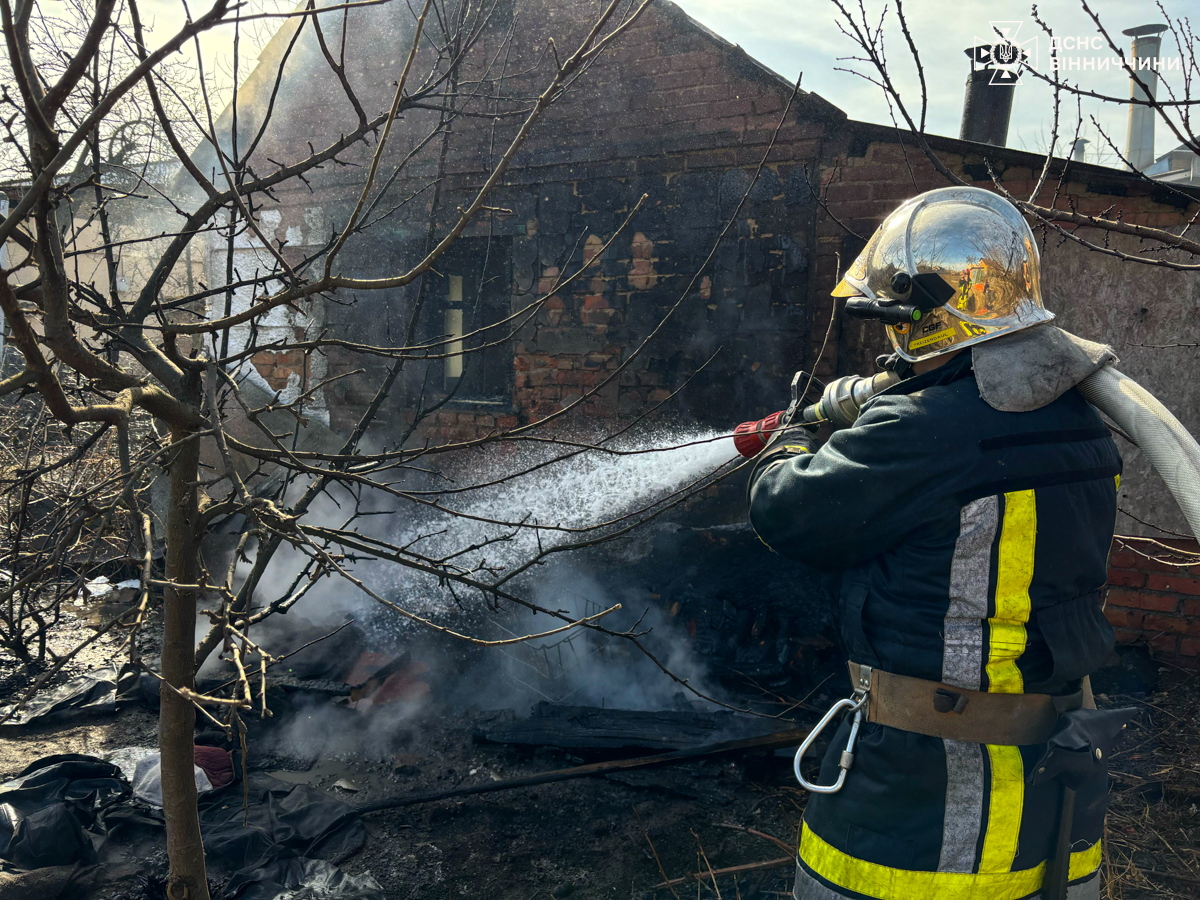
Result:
[{"x": 949, "y": 268}]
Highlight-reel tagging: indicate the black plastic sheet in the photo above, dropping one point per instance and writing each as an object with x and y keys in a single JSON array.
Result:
[
  {"x": 49, "y": 814},
  {"x": 93, "y": 693},
  {"x": 78, "y": 809},
  {"x": 284, "y": 820}
]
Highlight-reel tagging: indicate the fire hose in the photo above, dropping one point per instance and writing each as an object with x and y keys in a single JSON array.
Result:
[{"x": 1172, "y": 452}]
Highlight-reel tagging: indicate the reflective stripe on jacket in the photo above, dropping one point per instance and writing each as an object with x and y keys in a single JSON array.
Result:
[{"x": 972, "y": 546}]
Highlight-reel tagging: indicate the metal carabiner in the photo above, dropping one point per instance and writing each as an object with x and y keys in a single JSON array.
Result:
[{"x": 854, "y": 704}]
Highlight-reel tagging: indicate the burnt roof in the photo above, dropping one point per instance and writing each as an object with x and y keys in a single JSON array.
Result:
[
  {"x": 811, "y": 103},
  {"x": 1098, "y": 179}
]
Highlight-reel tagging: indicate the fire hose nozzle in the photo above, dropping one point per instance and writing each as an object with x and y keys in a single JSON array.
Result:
[
  {"x": 751, "y": 437},
  {"x": 839, "y": 406}
]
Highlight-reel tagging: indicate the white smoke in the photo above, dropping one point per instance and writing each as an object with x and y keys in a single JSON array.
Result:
[{"x": 525, "y": 488}]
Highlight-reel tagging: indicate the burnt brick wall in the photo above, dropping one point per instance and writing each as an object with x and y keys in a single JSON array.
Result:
[
  {"x": 735, "y": 336},
  {"x": 670, "y": 112},
  {"x": 1155, "y": 603}
]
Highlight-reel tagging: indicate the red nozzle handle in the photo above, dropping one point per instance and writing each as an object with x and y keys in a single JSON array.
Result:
[{"x": 751, "y": 437}]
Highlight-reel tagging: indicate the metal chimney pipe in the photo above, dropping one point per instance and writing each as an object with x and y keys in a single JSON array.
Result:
[
  {"x": 1139, "y": 140},
  {"x": 1079, "y": 149},
  {"x": 987, "y": 107}
]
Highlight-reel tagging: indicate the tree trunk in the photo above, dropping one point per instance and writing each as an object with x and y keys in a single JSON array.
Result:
[{"x": 177, "y": 717}]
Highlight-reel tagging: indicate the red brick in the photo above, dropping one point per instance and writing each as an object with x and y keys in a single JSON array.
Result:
[
  {"x": 732, "y": 123},
  {"x": 1143, "y": 600},
  {"x": 575, "y": 377},
  {"x": 1127, "y": 577},
  {"x": 1120, "y": 617},
  {"x": 597, "y": 316},
  {"x": 1137, "y": 552},
  {"x": 1163, "y": 643},
  {"x": 768, "y": 104},
  {"x": 1189, "y": 647},
  {"x": 1127, "y": 635},
  {"x": 874, "y": 173},
  {"x": 734, "y": 107},
  {"x": 865, "y": 212},
  {"x": 1171, "y": 624},
  {"x": 893, "y": 193},
  {"x": 1123, "y": 558},
  {"x": 1153, "y": 565},
  {"x": 1191, "y": 607},
  {"x": 1176, "y": 583},
  {"x": 848, "y": 192}
]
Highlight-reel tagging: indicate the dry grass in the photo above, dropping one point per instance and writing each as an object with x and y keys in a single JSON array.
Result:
[{"x": 1153, "y": 837}]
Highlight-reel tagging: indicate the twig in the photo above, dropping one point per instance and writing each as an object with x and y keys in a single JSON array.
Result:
[
  {"x": 658, "y": 862},
  {"x": 1154, "y": 873},
  {"x": 781, "y": 844},
  {"x": 704, "y": 856},
  {"x": 731, "y": 870}
]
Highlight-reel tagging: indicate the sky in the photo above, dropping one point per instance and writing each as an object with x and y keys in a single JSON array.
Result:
[{"x": 794, "y": 36}]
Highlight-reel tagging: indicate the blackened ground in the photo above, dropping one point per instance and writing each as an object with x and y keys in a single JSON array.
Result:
[
  {"x": 136, "y": 726},
  {"x": 592, "y": 837},
  {"x": 598, "y": 837}
]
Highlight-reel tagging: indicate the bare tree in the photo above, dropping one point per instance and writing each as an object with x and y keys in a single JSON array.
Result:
[
  {"x": 99, "y": 360},
  {"x": 151, "y": 383}
]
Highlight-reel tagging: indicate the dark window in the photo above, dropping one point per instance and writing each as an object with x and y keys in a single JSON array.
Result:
[{"x": 473, "y": 287}]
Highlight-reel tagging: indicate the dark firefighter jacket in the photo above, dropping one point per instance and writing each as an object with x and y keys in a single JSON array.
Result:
[{"x": 972, "y": 546}]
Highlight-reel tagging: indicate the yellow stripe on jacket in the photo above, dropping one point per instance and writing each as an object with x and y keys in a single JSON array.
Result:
[
  {"x": 1006, "y": 804},
  {"x": 1014, "y": 574},
  {"x": 887, "y": 883}
]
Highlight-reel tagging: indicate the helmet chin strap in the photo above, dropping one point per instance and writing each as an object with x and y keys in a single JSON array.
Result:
[{"x": 894, "y": 362}]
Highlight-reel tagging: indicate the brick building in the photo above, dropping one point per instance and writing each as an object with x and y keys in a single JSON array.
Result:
[{"x": 677, "y": 114}]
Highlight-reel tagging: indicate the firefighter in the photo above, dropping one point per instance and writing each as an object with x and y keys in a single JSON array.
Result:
[{"x": 969, "y": 541}]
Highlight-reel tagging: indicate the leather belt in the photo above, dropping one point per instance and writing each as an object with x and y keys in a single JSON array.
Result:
[{"x": 944, "y": 711}]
